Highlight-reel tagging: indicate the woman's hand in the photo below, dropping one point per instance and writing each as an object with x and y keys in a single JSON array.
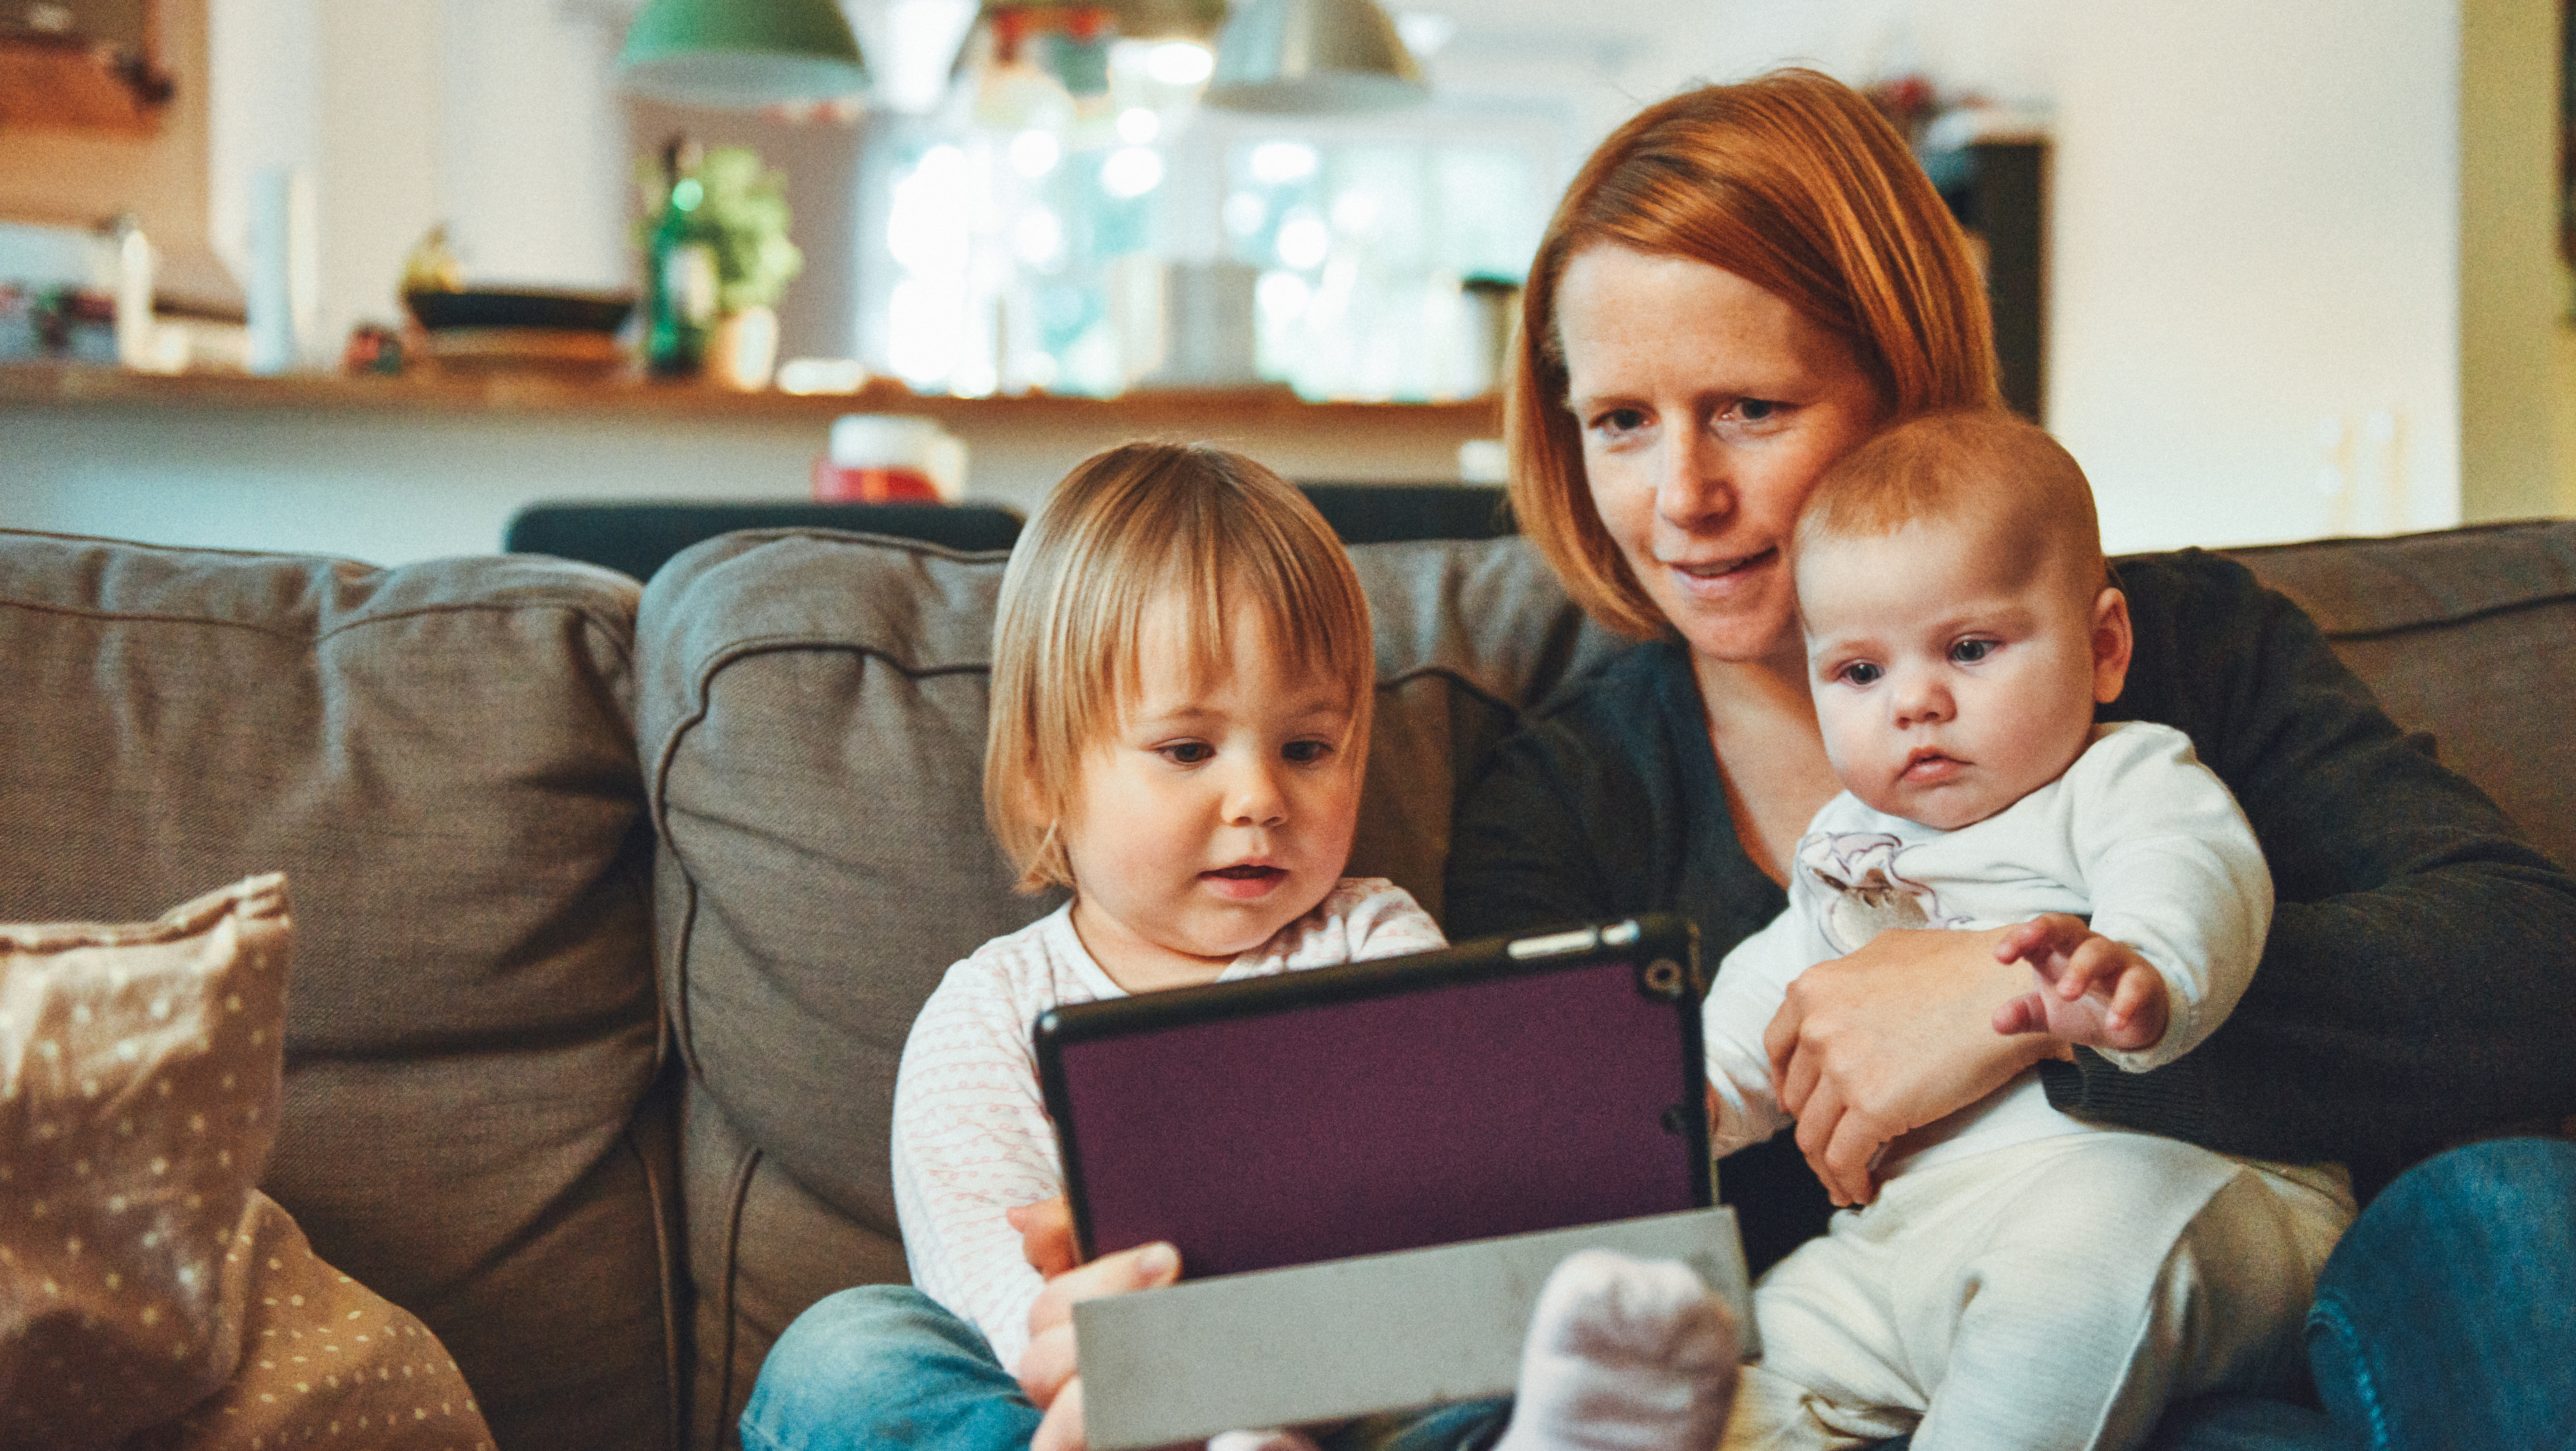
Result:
[
  {"x": 1868, "y": 1047},
  {"x": 1047, "y": 1372}
]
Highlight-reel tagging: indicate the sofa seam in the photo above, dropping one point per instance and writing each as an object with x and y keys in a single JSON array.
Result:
[
  {"x": 736, "y": 652},
  {"x": 829, "y": 535},
  {"x": 739, "y": 1195},
  {"x": 666, "y": 1258},
  {"x": 2447, "y": 621},
  {"x": 591, "y": 617}
]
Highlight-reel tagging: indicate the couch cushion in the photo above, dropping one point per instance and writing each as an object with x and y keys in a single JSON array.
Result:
[
  {"x": 440, "y": 757},
  {"x": 2469, "y": 634},
  {"x": 812, "y": 728}
]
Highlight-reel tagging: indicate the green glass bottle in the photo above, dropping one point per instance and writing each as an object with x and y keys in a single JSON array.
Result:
[{"x": 679, "y": 272}]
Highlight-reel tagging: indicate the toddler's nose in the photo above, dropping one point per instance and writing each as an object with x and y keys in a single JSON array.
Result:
[{"x": 1253, "y": 798}]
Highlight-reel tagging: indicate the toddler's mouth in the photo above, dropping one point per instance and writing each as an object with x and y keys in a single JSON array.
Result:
[
  {"x": 1245, "y": 881},
  {"x": 1924, "y": 767}
]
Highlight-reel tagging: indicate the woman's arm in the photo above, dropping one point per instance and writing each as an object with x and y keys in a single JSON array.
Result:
[{"x": 2421, "y": 967}]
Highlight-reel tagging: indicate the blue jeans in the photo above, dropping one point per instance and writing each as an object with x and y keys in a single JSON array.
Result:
[
  {"x": 885, "y": 1366},
  {"x": 2446, "y": 1317}
]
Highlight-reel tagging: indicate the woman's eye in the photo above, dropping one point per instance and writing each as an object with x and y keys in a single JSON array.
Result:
[
  {"x": 1860, "y": 672},
  {"x": 1969, "y": 652},
  {"x": 1756, "y": 410},
  {"x": 1306, "y": 753},
  {"x": 1620, "y": 420},
  {"x": 1188, "y": 753}
]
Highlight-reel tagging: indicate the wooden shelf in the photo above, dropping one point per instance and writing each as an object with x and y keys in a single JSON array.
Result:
[{"x": 86, "y": 386}]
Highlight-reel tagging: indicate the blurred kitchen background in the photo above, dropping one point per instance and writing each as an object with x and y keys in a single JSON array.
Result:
[{"x": 2283, "y": 270}]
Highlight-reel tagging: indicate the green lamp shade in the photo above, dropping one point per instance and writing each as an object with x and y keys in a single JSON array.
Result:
[
  {"x": 1307, "y": 57},
  {"x": 742, "y": 54}
]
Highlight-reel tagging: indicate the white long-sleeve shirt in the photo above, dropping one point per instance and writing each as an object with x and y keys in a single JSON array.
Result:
[
  {"x": 2136, "y": 835},
  {"x": 971, "y": 1134}
]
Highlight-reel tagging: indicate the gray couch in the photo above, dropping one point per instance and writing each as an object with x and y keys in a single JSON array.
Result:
[{"x": 613, "y": 909}]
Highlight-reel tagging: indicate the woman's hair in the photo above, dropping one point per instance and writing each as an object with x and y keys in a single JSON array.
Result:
[
  {"x": 1983, "y": 469},
  {"x": 1131, "y": 528},
  {"x": 1795, "y": 184}
]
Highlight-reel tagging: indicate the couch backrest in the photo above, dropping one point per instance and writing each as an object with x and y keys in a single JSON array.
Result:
[
  {"x": 2468, "y": 634},
  {"x": 812, "y": 725},
  {"x": 441, "y": 759}
]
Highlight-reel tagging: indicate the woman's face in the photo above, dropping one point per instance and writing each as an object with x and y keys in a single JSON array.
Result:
[{"x": 1708, "y": 409}]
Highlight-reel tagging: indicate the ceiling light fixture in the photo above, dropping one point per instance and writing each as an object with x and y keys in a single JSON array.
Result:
[
  {"x": 742, "y": 54},
  {"x": 1305, "y": 57}
]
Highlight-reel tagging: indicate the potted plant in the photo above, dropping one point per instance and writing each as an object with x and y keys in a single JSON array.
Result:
[{"x": 715, "y": 235}]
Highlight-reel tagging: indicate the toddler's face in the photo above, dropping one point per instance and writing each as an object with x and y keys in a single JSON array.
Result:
[
  {"x": 1216, "y": 814},
  {"x": 1952, "y": 675}
]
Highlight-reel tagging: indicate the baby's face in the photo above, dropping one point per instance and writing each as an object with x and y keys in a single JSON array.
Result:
[{"x": 1952, "y": 674}]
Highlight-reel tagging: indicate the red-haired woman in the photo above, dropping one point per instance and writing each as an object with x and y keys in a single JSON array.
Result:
[{"x": 1742, "y": 284}]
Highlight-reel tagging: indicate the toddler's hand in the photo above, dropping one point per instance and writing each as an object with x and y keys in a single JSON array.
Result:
[
  {"x": 1046, "y": 1235},
  {"x": 1048, "y": 1372},
  {"x": 2092, "y": 991}
]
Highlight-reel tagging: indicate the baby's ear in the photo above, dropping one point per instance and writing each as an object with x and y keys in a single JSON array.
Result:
[{"x": 2112, "y": 640}]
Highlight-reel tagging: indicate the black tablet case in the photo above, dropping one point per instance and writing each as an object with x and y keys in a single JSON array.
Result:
[{"x": 1494, "y": 1088}]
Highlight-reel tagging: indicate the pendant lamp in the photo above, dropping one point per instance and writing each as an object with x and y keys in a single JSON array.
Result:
[
  {"x": 742, "y": 54},
  {"x": 1306, "y": 57}
]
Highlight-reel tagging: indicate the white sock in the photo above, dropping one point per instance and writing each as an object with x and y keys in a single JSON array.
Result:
[
  {"x": 1623, "y": 1355},
  {"x": 1260, "y": 1441}
]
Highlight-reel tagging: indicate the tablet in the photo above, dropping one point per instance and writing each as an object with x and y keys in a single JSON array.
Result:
[{"x": 1494, "y": 1088}]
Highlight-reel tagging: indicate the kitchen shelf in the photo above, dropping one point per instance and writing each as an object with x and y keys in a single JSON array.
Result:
[{"x": 59, "y": 385}]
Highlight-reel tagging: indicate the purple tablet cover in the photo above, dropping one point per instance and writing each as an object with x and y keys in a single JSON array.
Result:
[{"x": 1461, "y": 1111}]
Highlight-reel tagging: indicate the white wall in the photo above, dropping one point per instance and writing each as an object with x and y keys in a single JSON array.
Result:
[
  {"x": 492, "y": 116},
  {"x": 2301, "y": 281},
  {"x": 2256, "y": 250}
]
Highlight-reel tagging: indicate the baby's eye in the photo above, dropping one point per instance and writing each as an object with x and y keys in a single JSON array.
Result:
[
  {"x": 1188, "y": 753},
  {"x": 1859, "y": 672},
  {"x": 1969, "y": 652},
  {"x": 1306, "y": 753}
]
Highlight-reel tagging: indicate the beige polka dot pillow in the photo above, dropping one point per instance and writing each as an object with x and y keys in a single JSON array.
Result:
[{"x": 149, "y": 1294}]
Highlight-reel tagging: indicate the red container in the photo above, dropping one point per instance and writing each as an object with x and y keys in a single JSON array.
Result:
[{"x": 835, "y": 484}]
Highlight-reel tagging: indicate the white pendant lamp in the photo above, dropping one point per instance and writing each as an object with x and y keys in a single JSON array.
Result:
[{"x": 1309, "y": 57}]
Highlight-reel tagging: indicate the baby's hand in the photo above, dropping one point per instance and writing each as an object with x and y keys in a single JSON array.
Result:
[{"x": 2092, "y": 991}]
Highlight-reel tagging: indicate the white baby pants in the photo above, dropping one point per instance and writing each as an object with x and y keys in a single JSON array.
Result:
[{"x": 2045, "y": 1295}]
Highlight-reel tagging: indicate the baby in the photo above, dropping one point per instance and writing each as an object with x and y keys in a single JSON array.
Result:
[
  {"x": 1182, "y": 680},
  {"x": 2023, "y": 1279}
]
